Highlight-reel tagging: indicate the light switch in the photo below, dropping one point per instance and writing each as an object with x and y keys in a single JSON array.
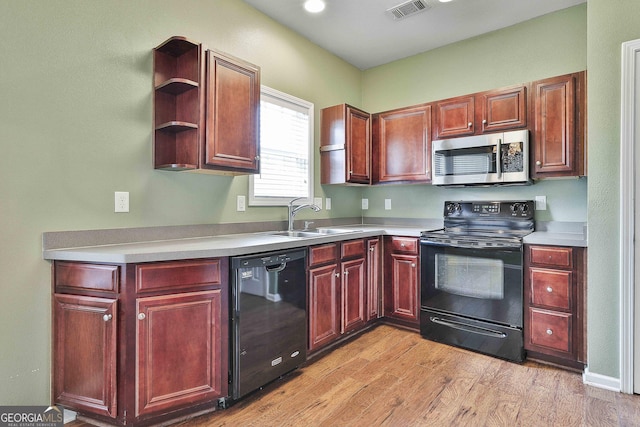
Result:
[
  {"x": 241, "y": 205},
  {"x": 541, "y": 203},
  {"x": 387, "y": 204},
  {"x": 365, "y": 204},
  {"x": 327, "y": 203}
]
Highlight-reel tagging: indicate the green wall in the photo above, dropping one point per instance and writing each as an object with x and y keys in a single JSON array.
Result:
[{"x": 75, "y": 126}]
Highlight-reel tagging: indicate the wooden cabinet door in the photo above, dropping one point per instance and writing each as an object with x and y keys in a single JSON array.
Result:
[
  {"x": 84, "y": 353},
  {"x": 402, "y": 145},
  {"x": 454, "y": 117},
  {"x": 500, "y": 110},
  {"x": 558, "y": 136},
  {"x": 324, "y": 306},
  {"x": 353, "y": 294},
  {"x": 358, "y": 146},
  {"x": 401, "y": 291},
  {"x": 232, "y": 114},
  {"x": 373, "y": 279},
  {"x": 182, "y": 346}
]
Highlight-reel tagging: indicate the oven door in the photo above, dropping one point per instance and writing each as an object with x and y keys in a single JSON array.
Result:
[{"x": 478, "y": 282}]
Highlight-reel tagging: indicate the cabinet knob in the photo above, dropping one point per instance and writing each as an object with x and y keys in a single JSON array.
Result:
[
  {"x": 402, "y": 245},
  {"x": 484, "y": 121},
  {"x": 350, "y": 172},
  {"x": 538, "y": 163},
  {"x": 345, "y": 273},
  {"x": 107, "y": 317},
  {"x": 337, "y": 274},
  {"x": 549, "y": 289},
  {"x": 141, "y": 316},
  {"x": 257, "y": 158},
  {"x": 469, "y": 124},
  {"x": 372, "y": 249},
  {"x": 413, "y": 264},
  {"x": 549, "y": 332}
]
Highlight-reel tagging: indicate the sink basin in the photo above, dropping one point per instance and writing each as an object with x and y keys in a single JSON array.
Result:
[
  {"x": 294, "y": 233},
  {"x": 334, "y": 231}
]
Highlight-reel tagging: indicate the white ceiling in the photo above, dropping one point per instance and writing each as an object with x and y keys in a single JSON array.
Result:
[{"x": 362, "y": 33}]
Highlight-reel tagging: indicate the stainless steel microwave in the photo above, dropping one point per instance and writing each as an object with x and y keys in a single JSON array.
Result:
[{"x": 492, "y": 159}]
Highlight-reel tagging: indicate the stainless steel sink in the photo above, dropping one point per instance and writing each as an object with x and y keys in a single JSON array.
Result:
[
  {"x": 294, "y": 233},
  {"x": 335, "y": 231}
]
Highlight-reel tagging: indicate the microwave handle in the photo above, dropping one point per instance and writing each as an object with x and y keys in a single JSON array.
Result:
[{"x": 499, "y": 160}]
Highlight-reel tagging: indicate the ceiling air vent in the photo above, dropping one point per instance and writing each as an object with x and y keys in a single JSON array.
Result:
[{"x": 408, "y": 8}]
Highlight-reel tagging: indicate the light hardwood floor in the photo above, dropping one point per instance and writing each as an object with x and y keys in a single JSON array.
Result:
[{"x": 393, "y": 377}]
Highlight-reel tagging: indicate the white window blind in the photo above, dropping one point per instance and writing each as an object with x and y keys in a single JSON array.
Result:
[{"x": 286, "y": 139}]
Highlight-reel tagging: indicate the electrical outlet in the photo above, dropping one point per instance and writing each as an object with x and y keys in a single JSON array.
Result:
[
  {"x": 365, "y": 204},
  {"x": 241, "y": 205},
  {"x": 327, "y": 203},
  {"x": 541, "y": 203},
  {"x": 387, "y": 204},
  {"x": 318, "y": 202},
  {"x": 121, "y": 201}
]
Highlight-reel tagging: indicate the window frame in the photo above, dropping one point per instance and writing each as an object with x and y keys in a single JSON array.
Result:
[{"x": 283, "y": 201}]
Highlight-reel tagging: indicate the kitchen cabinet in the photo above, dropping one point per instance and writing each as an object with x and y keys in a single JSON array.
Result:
[
  {"x": 402, "y": 280},
  {"x": 555, "y": 321},
  {"x": 337, "y": 291},
  {"x": 232, "y": 139},
  {"x": 178, "y": 104},
  {"x": 559, "y": 126},
  {"x": 402, "y": 145},
  {"x": 484, "y": 112},
  {"x": 345, "y": 145},
  {"x": 206, "y": 110},
  {"x": 120, "y": 331},
  {"x": 374, "y": 252}
]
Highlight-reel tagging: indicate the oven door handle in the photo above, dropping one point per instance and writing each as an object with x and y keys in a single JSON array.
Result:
[
  {"x": 468, "y": 246},
  {"x": 468, "y": 328}
]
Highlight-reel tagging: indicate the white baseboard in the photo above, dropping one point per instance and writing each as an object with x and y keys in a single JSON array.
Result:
[{"x": 600, "y": 381}]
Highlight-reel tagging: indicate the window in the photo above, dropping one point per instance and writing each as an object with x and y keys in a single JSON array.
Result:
[{"x": 286, "y": 155}]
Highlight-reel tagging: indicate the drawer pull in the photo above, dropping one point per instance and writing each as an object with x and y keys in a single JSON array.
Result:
[
  {"x": 549, "y": 332},
  {"x": 549, "y": 289},
  {"x": 402, "y": 245}
]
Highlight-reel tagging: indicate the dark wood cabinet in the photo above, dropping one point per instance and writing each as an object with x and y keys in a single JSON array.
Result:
[
  {"x": 559, "y": 126},
  {"x": 374, "y": 259},
  {"x": 232, "y": 141},
  {"x": 402, "y": 145},
  {"x": 206, "y": 110},
  {"x": 84, "y": 353},
  {"x": 484, "y": 112},
  {"x": 178, "y": 104},
  {"x": 184, "y": 331},
  {"x": 345, "y": 145},
  {"x": 454, "y": 117},
  {"x": 402, "y": 280},
  {"x": 554, "y": 304},
  {"x": 337, "y": 291},
  {"x": 140, "y": 343}
]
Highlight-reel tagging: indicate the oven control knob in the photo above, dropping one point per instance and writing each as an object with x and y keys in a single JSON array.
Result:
[{"x": 514, "y": 207}]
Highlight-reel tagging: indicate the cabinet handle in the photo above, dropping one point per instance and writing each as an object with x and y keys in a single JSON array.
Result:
[
  {"x": 141, "y": 316},
  {"x": 549, "y": 289},
  {"x": 107, "y": 317},
  {"x": 413, "y": 264},
  {"x": 469, "y": 124},
  {"x": 372, "y": 249},
  {"x": 402, "y": 245},
  {"x": 337, "y": 274},
  {"x": 345, "y": 273},
  {"x": 484, "y": 121},
  {"x": 538, "y": 163},
  {"x": 257, "y": 158},
  {"x": 350, "y": 172},
  {"x": 549, "y": 332}
]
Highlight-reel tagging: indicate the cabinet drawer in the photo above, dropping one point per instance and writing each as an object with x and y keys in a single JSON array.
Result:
[
  {"x": 174, "y": 275},
  {"x": 93, "y": 277},
  {"x": 551, "y": 288},
  {"x": 550, "y": 329},
  {"x": 323, "y": 254},
  {"x": 404, "y": 244},
  {"x": 352, "y": 249},
  {"x": 550, "y": 255}
]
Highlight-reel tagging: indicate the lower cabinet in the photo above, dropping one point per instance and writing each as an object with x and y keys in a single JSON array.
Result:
[
  {"x": 143, "y": 343},
  {"x": 554, "y": 304},
  {"x": 402, "y": 280},
  {"x": 337, "y": 291}
]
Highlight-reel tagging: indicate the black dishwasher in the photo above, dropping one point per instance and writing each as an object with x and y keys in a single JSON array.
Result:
[{"x": 268, "y": 318}]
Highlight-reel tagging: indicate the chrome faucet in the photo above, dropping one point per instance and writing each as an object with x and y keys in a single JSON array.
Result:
[{"x": 293, "y": 210}]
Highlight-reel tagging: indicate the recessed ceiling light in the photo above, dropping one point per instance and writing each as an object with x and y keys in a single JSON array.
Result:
[{"x": 314, "y": 6}]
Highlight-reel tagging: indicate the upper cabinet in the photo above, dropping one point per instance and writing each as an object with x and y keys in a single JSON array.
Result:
[
  {"x": 205, "y": 118},
  {"x": 484, "y": 112},
  {"x": 402, "y": 145},
  {"x": 559, "y": 126},
  {"x": 345, "y": 145}
]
